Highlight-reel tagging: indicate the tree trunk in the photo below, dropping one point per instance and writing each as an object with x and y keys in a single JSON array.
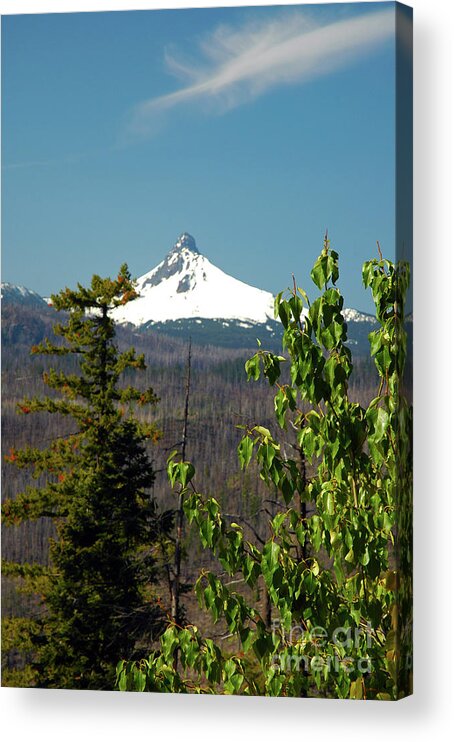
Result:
[{"x": 175, "y": 602}]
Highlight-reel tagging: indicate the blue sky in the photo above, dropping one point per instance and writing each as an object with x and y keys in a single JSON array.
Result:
[{"x": 254, "y": 129}]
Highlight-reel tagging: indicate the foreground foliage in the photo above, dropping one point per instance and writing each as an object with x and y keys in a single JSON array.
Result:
[
  {"x": 95, "y": 599},
  {"x": 336, "y": 568}
]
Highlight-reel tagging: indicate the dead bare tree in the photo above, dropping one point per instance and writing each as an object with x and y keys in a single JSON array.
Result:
[{"x": 175, "y": 601}]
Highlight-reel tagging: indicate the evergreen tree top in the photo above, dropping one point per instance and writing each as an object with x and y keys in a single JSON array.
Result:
[{"x": 103, "y": 293}]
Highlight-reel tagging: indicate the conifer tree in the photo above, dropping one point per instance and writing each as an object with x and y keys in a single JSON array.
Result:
[{"x": 97, "y": 593}]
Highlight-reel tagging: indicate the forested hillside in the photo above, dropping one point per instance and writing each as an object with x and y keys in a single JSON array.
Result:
[{"x": 220, "y": 399}]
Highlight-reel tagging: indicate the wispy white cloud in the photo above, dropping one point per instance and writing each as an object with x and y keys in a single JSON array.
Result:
[
  {"x": 41, "y": 163},
  {"x": 234, "y": 66},
  {"x": 70, "y": 159}
]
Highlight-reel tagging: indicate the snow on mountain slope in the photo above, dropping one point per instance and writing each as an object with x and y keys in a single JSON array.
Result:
[
  {"x": 186, "y": 284},
  {"x": 13, "y": 294},
  {"x": 352, "y": 315}
]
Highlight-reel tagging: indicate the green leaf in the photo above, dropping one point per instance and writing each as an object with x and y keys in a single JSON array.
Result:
[
  {"x": 186, "y": 472},
  {"x": 270, "y": 561},
  {"x": 330, "y": 503},
  {"x": 245, "y": 449},
  {"x": 356, "y": 689},
  {"x": 304, "y": 295},
  {"x": 284, "y": 312},
  {"x": 296, "y": 305},
  {"x": 123, "y": 681},
  {"x": 264, "y": 432},
  {"x": 262, "y": 646},
  {"x": 378, "y": 420},
  {"x": 252, "y": 367},
  {"x": 277, "y": 302},
  {"x": 320, "y": 271},
  {"x": 246, "y": 637}
]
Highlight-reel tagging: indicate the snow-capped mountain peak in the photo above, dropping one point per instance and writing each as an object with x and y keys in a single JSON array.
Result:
[
  {"x": 13, "y": 294},
  {"x": 186, "y": 285},
  {"x": 185, "y": 242}
]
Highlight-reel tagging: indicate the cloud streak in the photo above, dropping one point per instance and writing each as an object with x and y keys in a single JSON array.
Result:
[{"x": 236, "y": 66}]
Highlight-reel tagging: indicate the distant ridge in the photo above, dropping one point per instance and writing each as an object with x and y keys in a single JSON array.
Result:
[
  {"x": 12, "y": 294},
  {"x": 186, "y": 295}
]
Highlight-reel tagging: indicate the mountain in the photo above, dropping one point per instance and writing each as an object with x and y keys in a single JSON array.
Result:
[
  {"x": 12, "y": 294},
  {"x": 187, "y": 295},
  {"x": 26, "y": 318},
  {"x": 187, "y": 285}
]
